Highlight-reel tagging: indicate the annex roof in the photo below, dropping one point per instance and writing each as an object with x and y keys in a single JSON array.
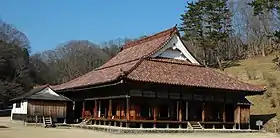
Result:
[{"x": 42, "y": 93}]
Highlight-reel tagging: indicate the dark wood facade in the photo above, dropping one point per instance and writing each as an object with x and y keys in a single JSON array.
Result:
[{"x": 135, "y": 104}]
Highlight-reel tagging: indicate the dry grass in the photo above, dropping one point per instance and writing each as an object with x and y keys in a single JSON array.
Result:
[{"x": 261, "y": 71}]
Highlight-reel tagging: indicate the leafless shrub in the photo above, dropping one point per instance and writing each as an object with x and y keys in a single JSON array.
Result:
[
  {"x": 268, "y": 94},
  {"x": 270, "y": 78},
  {"x": 273, "y": 103},
  {"x": 251, "y": 73}
]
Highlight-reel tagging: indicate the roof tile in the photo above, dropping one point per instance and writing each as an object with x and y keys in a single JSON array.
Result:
[{"x": 176, "y": 73}]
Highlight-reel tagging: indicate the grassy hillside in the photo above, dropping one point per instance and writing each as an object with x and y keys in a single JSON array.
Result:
[{"x": 260, "y": 70}]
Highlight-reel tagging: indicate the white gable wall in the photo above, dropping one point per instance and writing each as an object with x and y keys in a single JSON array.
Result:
[
  {"x": 22, "y": 109},
  {"x": 174, "y": 54},
  {"x": 175, "y": 49},
  {"x": 19, "y": 110}
]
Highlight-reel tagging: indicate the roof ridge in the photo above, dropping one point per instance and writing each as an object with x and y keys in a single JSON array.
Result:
[
  {"x": 116, "y": 64},
  {"x": 149, "y": 38},
  {"x": 132, "y": 68}
]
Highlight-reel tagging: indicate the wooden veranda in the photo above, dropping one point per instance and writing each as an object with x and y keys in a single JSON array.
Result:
[{"x": 167, "y": 109}]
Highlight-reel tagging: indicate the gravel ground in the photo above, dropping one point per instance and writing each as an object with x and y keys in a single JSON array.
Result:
[{"x": 17, "y": 130}]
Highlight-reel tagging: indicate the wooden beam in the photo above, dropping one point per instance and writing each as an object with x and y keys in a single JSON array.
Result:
[
  {"x": 203, "y": 112},
  {"x": 95, "y": 114},
  {"x": 110, "y": 109},
  {"x": 108, "y": 97}
]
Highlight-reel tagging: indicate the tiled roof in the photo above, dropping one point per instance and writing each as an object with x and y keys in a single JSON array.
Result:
[
  {"x": 176, "y": 73},
  {"x": 125, "y": 59},
  {"x": 98, "y": 76},
  {"x": 134, "y": 62},
  {"x": 141, "y": 48}
]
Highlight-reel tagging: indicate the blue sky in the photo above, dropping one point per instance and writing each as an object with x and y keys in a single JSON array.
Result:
[{"x": 48, "y": 23}]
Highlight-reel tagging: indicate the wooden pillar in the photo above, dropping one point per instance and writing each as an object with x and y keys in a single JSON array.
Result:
[
  {"x": 83, "y": 109},
  {"x": 122, "y": 110},
  {"x": 177, "y": 111},
  {"x": 203, "y": 112},
  {"x": 187, "y": 110},
  {"x": 155, "y": 112},
  {"x": 127, "y": 108},
  {"x": 168, "y": 112},
  {"x": 224, "y": 113},
  {"x": 127, "y": 111},
  {"x": 237, "y": 116},
  {"x": 133, "y": 111},
  {"x": 180, "y": 114},
  {"x": 110, "y": 109},
  {"x": 99, "y": 108},
  {"x": 95, "y": 114},
  {"x": 180, "y": 111}
]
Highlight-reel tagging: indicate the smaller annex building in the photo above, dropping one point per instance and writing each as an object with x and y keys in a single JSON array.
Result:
[{"x": 40, "y": 102}]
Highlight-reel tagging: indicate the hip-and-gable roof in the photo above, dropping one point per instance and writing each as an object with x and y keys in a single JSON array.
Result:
[{"x": 144, "y": 60}]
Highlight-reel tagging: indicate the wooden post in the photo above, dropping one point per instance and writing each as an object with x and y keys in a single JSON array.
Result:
[
  {"x": 99, "y": 109},
  {"x": 203, "y": 112},
  {"x": 127, "y": 111},
  {"x": 239, "y": 114},
  {"x": 122, "y": 115},
  {"x": 180, "y": 111},
  {"x": 83, "y": 109},
  {"x": 180, "y": 114},
  {"x": 127, "y": 108},
  {"x": 177, "y": 110},
  {"x": 187, "y": 110},
  {"x": 155, "y": 112},
  {"x": 224, "y": 113},
  {"x": 110, "y": 109},
  {"x": 95, "y": 114}
]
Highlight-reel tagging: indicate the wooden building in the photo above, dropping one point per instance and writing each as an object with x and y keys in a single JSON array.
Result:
[
  {"x": 157, "y": 82},
  {"x": 40, "y": 102}
]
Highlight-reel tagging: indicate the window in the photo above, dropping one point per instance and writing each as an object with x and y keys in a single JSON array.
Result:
[{"x": 18, "y": 105}]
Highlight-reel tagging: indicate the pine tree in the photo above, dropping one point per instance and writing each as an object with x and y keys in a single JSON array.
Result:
[
  {"x": 207, "y": 23},
  {"x": 273, "y": 6}
]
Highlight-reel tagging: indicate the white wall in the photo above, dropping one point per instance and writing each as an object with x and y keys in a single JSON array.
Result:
[
  {"x": 174, "y": 54},
  {"x": 21, "y": 110},
  {"x": 175, "y": 49}
]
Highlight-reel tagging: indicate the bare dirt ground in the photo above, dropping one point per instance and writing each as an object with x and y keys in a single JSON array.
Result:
[{"x": 17, "y": 130}]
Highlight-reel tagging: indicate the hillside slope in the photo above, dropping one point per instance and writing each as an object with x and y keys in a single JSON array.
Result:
[{"x": 260, "y": 70}]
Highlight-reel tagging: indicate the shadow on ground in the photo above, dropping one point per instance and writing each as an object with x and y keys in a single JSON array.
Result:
[{"x": 263, "y": 117}]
